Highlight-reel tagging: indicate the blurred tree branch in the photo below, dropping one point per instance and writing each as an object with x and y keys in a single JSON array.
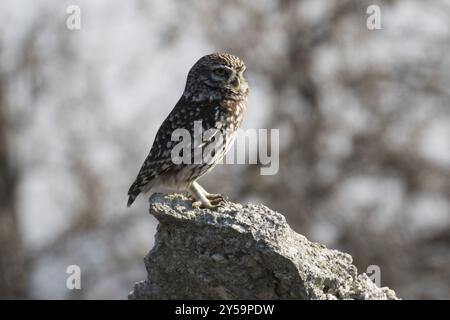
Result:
[{"x": 13, "y": 275}]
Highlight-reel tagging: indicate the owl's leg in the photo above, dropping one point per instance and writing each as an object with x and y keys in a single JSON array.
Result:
[
  {"x": 211, "y": 196},
  {"x": 201, "y": 199}
]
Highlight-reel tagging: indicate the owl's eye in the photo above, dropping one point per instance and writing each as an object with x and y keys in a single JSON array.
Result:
[{"x": 220, "y": 72}]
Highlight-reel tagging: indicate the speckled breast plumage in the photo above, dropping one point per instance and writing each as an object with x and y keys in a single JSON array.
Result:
[{"x": 225, "y": 118}]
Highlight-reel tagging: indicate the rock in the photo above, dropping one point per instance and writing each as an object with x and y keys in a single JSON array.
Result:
[{"x": 242, "y": 252}]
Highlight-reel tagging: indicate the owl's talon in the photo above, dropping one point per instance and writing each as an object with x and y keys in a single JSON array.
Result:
[
  {"x": 204, "y": 200},
  {"x": 196, "y": 205},
  {"x": 215, "y": 197},
  {"x": 217, "y": 202},
  {"x": 200, "y": 205}
]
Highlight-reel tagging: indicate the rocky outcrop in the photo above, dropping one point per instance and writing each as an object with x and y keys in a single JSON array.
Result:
[{"x": 242, "y": 252}]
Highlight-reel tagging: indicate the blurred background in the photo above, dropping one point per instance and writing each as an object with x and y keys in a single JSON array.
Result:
[{"x": 364, "y": 120}]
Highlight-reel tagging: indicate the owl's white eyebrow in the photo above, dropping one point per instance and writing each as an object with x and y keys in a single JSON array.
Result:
[{"x": 221, "y": 66}]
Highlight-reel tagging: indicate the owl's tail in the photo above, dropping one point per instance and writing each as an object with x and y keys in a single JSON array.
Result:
[
  {"x": 137, "y": 187},
  {"x": 133, "y": 192}
]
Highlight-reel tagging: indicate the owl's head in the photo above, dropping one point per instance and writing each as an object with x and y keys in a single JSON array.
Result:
[{"x": 217, "y": 75}]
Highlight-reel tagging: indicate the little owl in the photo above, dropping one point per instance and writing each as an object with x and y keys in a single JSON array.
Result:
[{"x": 216, "y": 97}]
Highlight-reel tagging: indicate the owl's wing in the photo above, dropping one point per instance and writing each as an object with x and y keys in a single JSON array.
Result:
[{"x": 159, "y": 160}]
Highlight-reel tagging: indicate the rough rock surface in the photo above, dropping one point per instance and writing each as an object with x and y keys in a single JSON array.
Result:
[{"x": 242, "y": 252}]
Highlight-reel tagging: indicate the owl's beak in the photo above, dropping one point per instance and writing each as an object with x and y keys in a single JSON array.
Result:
[{"x": 236, "y": 83}]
